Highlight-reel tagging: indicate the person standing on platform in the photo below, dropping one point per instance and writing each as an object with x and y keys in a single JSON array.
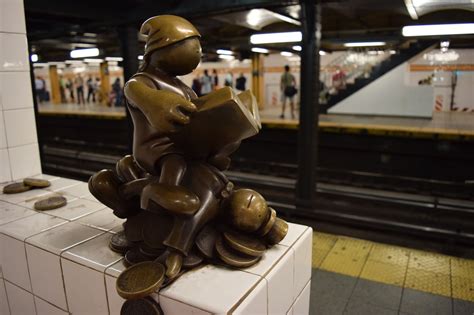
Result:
[
  {"x": 206, "y": 83},
  {"x": 117, "y": 88},
  {"x": 288, "y": 90},
  {"x": 40, "y": 88},
  {"x": 240, "y": 82},
  {"x": 97, "y": 90},
  {"x": 79, "y": 83},
  {"x": 215, "y": 79},
  {"x": 90, "y": 90},
  {"x": 70, "y": 87},
  {"x": 229, "y": 80},
  {"x": 62, "y": 89}
]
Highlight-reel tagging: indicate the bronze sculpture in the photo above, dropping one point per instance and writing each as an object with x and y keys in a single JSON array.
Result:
[{"x": 180, "y": 207}]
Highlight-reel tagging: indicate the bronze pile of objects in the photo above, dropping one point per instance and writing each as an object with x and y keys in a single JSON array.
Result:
[{"x": 180, "y": 208}]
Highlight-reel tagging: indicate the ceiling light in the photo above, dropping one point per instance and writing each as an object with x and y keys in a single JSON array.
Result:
[
  {"x": 260, "y": 50},
  {"x": 81, "y": 53},
  {"x": 438, "y": 29},
  {"x": 322, "y": 53},
  {"x": 34, "y": 58},
  {"x": 224, "y": 52},
  {"x": 364, "y": 44},
  {"x": 140, "y": 57},
  {"x": 297, "y": 48},
  {"x": 392, "y": 52},
  {"x": 93, "y": 60},
  {"x": 73, "y": 62},
  {"x": 114, "y": 58},
  {"x": 226, "y": 57},
  {"x": 40, "y": 64},
  {"x": 286, "y": 54},
  {"x": 268, "y": 38}
]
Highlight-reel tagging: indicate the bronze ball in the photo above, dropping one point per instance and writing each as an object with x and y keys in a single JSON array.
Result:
[{"x": 247, "y": 209}]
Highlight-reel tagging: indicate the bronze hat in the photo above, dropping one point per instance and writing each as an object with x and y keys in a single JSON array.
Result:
[{"x": 164, "y": 30}]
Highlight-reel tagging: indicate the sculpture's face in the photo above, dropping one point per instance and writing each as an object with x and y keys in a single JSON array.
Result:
[{"x": 180, "y": 58}]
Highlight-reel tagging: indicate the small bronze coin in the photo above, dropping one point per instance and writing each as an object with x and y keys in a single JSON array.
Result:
[
  {"x": 278, "y": 232},
  {"x": 206, "y": 240},
  {"x": 119, "y": 243},
  {"x": 140, "y": 280},
  {"x": 192, "y": 260},
  {"x": 145, "y": 306},
  {"x": 244, "y": 244},
  {"x": 15, "y": 188},
  {"x": 150, "y": 252},
  {"x": 232, "y": 257},
  {"x": 134, "y": 256},
  {"x": 36, "y": 182},
  {"x": 267, "y": 226},
  {"x": 50, "y": 203}
]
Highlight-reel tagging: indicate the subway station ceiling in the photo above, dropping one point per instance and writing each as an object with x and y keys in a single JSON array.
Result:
[{"x": 55, "y": 27}]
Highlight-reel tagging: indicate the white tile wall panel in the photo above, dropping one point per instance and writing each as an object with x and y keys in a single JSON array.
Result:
[
  {"x": 25, "y": 227},
  {"x": 5, "y": 170},
  {"x": 15, "y": 90},
  {"x": 303, "y": 255},
  {"x": 256, "y": 302},
  {"x": 280, "y": 281},
  {"x": 13, "y": 52},
  {"x": 301, "y": 306},
  {"x": 45, "y": 308},
  {"x": 24, "y": 161},
  {"x": 115, "y": 301},
  {"x": 10, "y": 212},
  {"x": 76, "y": 209},
  {"x": 12, "y": 16},
  {"x": 3, "y": 133},
  {"x": 175, "y": 307},
  {"x": 4, "y": 309},
  {"x": 20, "y": 301},
  {"x": 103, "y": 219},
  {"x": 13, "y": 262},
  {"x": 20, "y": 127}
]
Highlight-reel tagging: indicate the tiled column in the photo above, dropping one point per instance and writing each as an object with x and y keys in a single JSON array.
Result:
[{"x": 19, "y": 153}]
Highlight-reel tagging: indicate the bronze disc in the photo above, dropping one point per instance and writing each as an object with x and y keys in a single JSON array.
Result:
[
  {"x": 134, "y": 225},
  {"x": 36, "y": 182},
  {"x": 134, "y": 256},
  {"x": 244, "y": 244},
  {"x": 192, "y": 260},
  {"x": 156, "y": 229},
  {"x": 145, "y": 306},
  {"x": 140, "y": 280},
  {"x": 119, "y": 243},
  {"x": 232, "y": 257},
  {"x": 150, "y": 252},
  {"x": 50, "y": 203},
  {"x": 278, "y": 232},
  {"x": 206, "y": 240},
  {"x": 267, "y": 226},
  {"x": 15, "y": 188}
]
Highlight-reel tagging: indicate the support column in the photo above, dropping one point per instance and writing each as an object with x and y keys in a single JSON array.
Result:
[
  {"x": 309, "y": 98},
  {"x": 104, "y": 82},
  {"x": 130, "y": 50},
  {"x": 257, "y": 79},
  {"x": 55, "y": 89}
]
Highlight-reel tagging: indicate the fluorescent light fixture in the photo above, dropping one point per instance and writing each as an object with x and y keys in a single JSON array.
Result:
[
  {"x": 269, "y": 38},
  {"x": 392, "y": 52},
  {"x": 297, "y": 48},
  {"x": 322, "y": 53},
  {"x": 93, "y": 60},
  {"x": 226, "y": 57},
  {"x": 286, "y": 54},
  {"x": 114, "y": 58},
  {"x": 34, "y": 58},
  {"x": 82, "y": 53},
  {"x": 40, "y": 65},
  {"x": 112, "y": 63},
  {"x": 224, "y": 52},
  {"x": 140, "y": 57},
  {"x": 70, "y": 62},
  {"x": 364, "y": 44},
  {"x": 260, "y": 50},
  {"x": 438, "y": 29}
]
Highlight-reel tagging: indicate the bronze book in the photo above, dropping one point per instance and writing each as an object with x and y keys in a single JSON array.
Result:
[{"x": 223, "y": 117}]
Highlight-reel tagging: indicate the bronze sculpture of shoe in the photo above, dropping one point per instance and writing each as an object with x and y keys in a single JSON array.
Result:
[{"x": 175, "y": 199}]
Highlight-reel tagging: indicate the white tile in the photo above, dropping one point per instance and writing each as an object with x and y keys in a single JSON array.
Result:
[
  {"x": 45, "y": 308},
  {"x": 12, "y": 16},
  {"x": 256, "y": 302},
  {"x": 10, "y": 212},
  {"x": 301, "y": 305},
  {"x": 63, "y": 183},
  {"x": 15, "y": 88},
  {"x": 177, "y": 308},
  {"x": 47, "y": 177},
  {"x": 303, "y": 254},
  {"x": 76, "y": 209},
  {"x": 5, "y": 167},
  {"x": 94, "y": 253},
  {"x": 115, "y": 301},
  {"x": 4, "y": 309},
  {"x": 269, "y": 259},
  {"x": 21, "y": 302},
  {"x": 24, "y": 161},
  {"x": 13, "y": 262},
  {"x": 46, "y": 276},
  {"x": 3, "y": 133},
  {"x": 294, "y": 232},
  {"x": 20, "y": 126},
  {"x": 23, "y": 196},
  {"x": 202, "y": 288},
  {"x": 103, "y": 219},
  {"x": 77, "y": 278},
  {"x": 25, "y": 227},
  {"x": 79, "y": 190},
  {"x": 63, "y": 237},
  {"x": 91, "y": 197},
  {"x": 15, "y": 58},
  {"x": 116, "y": 269},
  {"x": 30, "y": 201},
  {"x": 280, "y": 282}
]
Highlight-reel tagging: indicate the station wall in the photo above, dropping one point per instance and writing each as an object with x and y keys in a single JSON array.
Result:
[{"x": 19, "y": 153}]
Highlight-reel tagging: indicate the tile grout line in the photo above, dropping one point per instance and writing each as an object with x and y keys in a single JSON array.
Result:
[
  {"x": 404, "y": 283},
  {"x": 6, "y": 294}
]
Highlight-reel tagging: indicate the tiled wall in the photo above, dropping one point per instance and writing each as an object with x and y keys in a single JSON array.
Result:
[{"x": 19, "y": 153}]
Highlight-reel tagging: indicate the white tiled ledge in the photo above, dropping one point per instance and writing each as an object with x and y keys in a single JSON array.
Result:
[{"x": 58, "y": 262}]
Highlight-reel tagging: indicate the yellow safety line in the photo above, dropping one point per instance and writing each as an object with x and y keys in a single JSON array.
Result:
[{"x": 404, "y": 267}]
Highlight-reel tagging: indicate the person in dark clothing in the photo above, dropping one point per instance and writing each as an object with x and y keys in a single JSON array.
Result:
[
  {"x": 240, "y": 82},
  {"x": 215, "y": 79},
  {"x": 197, "y": 86},
  {"x": 117, "y": 88},
  {"x": 90, "y": 90}
]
